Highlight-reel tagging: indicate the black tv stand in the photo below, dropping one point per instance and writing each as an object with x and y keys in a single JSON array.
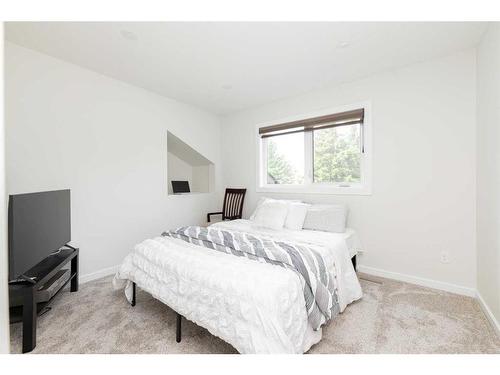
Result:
[
  {"x": 24, "y": 279},
  {"x": 41, "y": 273}
]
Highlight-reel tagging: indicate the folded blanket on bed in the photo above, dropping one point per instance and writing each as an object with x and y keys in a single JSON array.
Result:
[{"x": 319, "y": 291}]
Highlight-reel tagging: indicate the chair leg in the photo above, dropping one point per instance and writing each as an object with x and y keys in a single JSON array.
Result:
[
  {"x": 133, "y": 295},
  {"x": 178, "y": 331}
]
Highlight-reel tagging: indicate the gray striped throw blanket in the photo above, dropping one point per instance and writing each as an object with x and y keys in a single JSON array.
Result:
[{"x": 319, "y": 291}]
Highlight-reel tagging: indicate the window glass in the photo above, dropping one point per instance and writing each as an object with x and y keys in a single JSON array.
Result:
[
  {"x": 285, "y": 159},
  {"x": 337, "y": 154}
]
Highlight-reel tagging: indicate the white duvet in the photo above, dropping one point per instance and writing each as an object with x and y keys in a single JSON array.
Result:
[{"x": 256, "y": 307}]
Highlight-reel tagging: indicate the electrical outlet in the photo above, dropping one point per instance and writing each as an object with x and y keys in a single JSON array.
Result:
[{"x": 445, "y": 257}]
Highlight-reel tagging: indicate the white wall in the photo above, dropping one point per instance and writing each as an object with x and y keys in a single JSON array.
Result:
[
  {"x": 201, "y": 178},
  {"x": 488, "y": 169},
  {"x": 4, "y": 291},
  {"x": 67, "y": 127},
  {"x": 423, "y": 165}
]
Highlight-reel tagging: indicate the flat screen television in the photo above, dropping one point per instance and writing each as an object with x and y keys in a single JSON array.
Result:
[{"x": 39, "y": 224}]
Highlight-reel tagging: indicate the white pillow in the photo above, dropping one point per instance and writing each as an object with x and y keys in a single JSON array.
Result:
[
  {"x": 263, "y": 199},
  {"x": 271, "y": 214},
  {"x": 296, "y": 215},
  {"x": 326, "y": 217},
  {"x": 259, "y": 203}
]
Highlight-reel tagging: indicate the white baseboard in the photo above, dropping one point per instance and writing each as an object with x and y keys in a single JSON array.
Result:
[
  {"x": 452, "y": 288},
  {"x": 489, "y": 315},
  {"x": 98, "y": 274}
]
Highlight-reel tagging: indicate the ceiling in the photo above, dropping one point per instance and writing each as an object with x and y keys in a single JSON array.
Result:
[{"x": 226, "y": 67}]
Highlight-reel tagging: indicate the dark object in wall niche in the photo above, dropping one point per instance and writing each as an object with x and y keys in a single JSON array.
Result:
[{"x": 179, "y": 187}]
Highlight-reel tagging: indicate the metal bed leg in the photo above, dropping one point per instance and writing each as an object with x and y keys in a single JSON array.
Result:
[
  {"x": 354, "y": 262},
  {"x": 133, "y": 294},
  {"x": 178, "y": 331},
  {"x": 179, "y": 316}
]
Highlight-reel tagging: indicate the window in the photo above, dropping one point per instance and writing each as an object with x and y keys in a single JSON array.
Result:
[
  {"x": 326, "y": 154},
  {"x": 285, "y": 159}
]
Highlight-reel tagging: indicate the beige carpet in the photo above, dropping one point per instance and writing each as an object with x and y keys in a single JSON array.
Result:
[{"x": 392, "y": 317}]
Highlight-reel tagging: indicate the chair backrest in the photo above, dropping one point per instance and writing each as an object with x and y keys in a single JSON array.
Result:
[{"x": 233, "y": 204}]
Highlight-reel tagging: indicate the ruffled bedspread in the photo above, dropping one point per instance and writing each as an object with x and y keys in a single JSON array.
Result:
[{"x": 256, "y": 307}]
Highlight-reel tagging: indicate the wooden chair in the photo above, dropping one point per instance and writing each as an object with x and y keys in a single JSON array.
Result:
[{"x": 232, "y": 208}]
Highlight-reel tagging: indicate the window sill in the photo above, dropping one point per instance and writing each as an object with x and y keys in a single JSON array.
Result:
[{"x": 315, "y": 189}]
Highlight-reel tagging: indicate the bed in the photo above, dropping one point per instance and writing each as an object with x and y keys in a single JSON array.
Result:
[{"x": 257, "y": 307}]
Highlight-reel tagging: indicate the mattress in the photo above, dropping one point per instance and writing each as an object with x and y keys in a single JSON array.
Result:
[
  {"x": 352, "y": 241},
  {"x": 308, "y": 236}
]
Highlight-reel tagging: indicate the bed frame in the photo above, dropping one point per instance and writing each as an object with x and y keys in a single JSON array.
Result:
[
  {"x": 179, "y": 316},
  {"x": 178, "y": 329}
]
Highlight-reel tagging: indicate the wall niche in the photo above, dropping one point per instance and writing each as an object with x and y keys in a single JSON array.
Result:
[{"x": 184, "y": 163}]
